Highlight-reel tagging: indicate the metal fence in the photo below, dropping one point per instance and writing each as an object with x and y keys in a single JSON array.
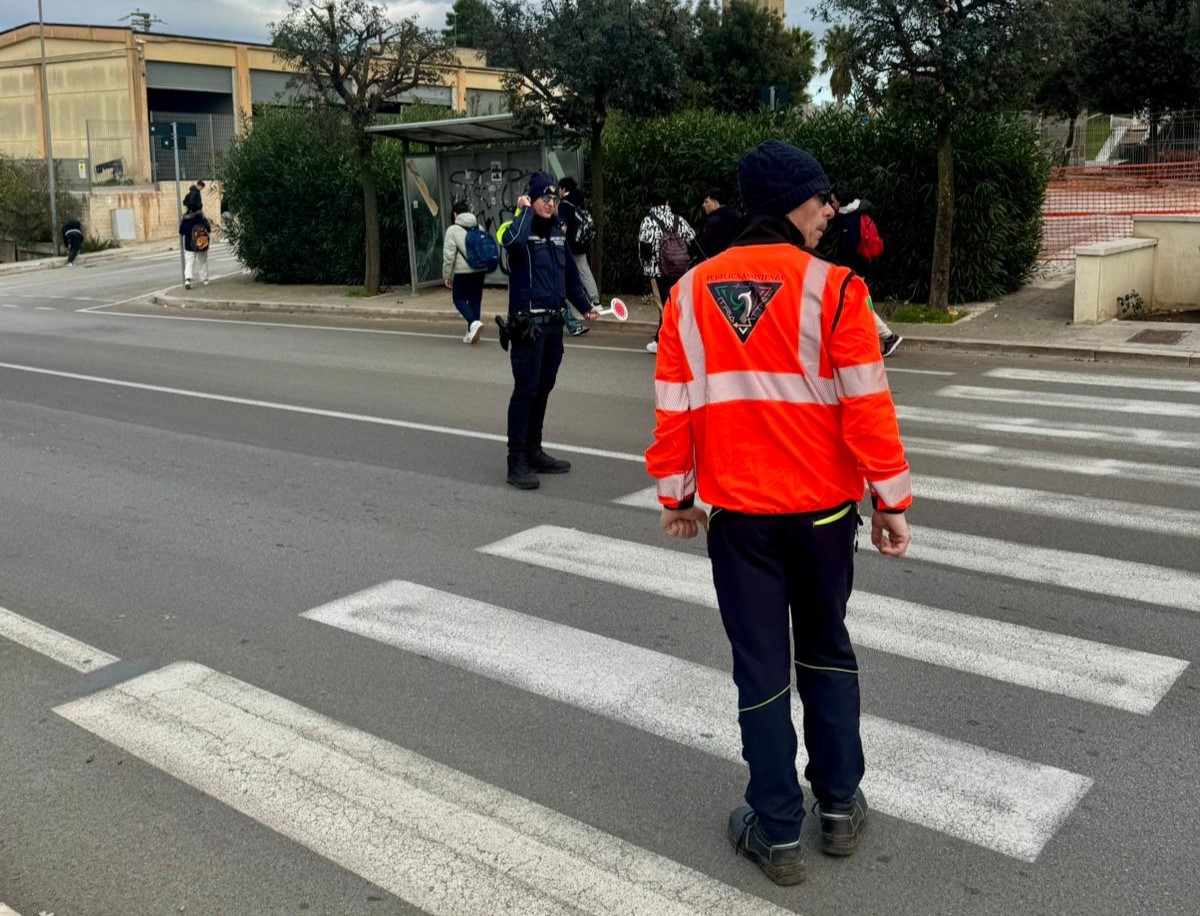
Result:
[
  {"x": 113, "y": 155},
  {"x": 204, "y": 139},
  {"x": 1118, "y": 167}
]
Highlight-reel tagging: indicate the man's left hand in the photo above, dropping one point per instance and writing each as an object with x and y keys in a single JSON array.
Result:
[
  {"x": 683, "y": 523},
  {"x": 591, "y": 315}
]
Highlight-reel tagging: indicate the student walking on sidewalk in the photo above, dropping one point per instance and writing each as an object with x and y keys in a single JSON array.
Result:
[{"x": 464, "y": 281}]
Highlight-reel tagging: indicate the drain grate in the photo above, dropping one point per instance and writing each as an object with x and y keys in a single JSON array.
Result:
[{"x": 1158, "y": 337}]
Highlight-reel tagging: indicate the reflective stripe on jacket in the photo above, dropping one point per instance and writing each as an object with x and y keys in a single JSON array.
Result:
[{"x": 762, "y": 405}]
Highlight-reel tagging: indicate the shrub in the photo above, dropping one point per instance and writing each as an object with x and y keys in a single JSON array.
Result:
[
  {"x": 292, "y": 186},
  {"x": 25, "y": 201},
  {"x": 1000, "y": 179},
  {"x": 1132, "y": 307}
]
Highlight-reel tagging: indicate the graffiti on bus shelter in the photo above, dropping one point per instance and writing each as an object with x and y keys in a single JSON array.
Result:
[{"x": 491, "y": 193}]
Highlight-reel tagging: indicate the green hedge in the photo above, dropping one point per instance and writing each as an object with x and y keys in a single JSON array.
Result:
[
  {"x": 1001, "y": 174},
  {"x": 292, "y": 185}
]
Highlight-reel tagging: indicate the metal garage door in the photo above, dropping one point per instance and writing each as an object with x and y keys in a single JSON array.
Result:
[{"x": 193, "y": 77}]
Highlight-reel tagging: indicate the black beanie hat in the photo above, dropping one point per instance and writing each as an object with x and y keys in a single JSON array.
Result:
[
  {"x": 539, "y": 184},
  {"x": 776, "y": 177}
]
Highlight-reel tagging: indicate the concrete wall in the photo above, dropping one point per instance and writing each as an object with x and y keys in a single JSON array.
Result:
[
  {"x": 20, "y": 115},
  {"x": 154, "y": 210},
  {"x": 1107, "y": 270},
  {"x": 1177, "y": 258}
]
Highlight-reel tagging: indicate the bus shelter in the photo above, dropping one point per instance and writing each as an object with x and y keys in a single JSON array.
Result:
[{"x": 484, "y": 160}]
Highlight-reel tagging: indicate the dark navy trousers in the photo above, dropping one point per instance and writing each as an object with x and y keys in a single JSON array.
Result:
[
  {"x": 535, "y": 368},
  {"x": 771, "y": 571}
]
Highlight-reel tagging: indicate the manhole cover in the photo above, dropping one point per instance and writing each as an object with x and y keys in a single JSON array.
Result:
[{"x": 1158, "y": 337}]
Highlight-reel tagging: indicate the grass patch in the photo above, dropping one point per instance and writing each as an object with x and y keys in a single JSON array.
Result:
[
  {"x": 356, "y": 292},
  {"x": 918, "y": 313},
  {"x": 92, "y": 243}
]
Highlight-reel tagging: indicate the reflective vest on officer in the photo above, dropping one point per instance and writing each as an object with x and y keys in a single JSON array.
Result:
[{"x": 770, "y": 391}]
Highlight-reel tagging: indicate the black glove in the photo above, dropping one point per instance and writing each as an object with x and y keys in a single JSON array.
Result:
[{"x": 505, "y": 334}]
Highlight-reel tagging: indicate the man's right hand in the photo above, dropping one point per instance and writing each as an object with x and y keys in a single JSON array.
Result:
[
  {"x": 523, "y": 201},
  {"x": 889, "y": 533}
]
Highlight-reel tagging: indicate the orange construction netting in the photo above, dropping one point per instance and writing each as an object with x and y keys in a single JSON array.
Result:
[{"x": 1097, "y": 203}]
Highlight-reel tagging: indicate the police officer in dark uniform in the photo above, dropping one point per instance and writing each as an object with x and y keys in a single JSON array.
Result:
[{"x": 542, "y": 276}]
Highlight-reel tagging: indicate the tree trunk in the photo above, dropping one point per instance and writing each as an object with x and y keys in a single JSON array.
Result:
[
  {"x": 596, "y": 167},
  {"x": 1069, "y": 145},
  {"x": 939, "y": 281},
  {"x": 371, "y": 255}
]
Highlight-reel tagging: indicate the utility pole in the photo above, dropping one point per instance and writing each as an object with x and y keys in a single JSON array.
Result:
[
  {"x": 46, "y": 133},
  {"x": 178, "y": 201}
]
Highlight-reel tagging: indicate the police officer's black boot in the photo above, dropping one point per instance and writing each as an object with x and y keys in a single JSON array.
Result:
[
  {"x": 520, "y": 472},
  {"x": 546, "y": 464},
  {"x": 783, "y": 863},
  {"x": 842, "y": 825}
]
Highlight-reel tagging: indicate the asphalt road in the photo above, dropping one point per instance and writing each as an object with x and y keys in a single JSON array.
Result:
[{"x": 509, "y": 702}]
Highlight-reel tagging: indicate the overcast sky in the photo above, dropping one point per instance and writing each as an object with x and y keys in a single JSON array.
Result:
[{"x": 244, "y": 20}]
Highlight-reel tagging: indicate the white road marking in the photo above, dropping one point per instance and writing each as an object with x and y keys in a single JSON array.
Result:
[
  {"x": 997, "y": 801},
  {"x": 1055, "y": 663},
  {"x": 941, "y": 372},
  {"x": 5, "y": 911},
  {"x": 44, "y": 308},
  {"x": 6, "y": 306},
  {"x": 447, "y": 843},
  {"x": 1073, "y": 401},
  {"x": 1049, "y": 429},
  {"x": 1097, "y": 575},
  {"x": 315, "y": 411},
  {"x": 1107, "y": 381},
  {"x": 63, "y": 649},
  {"x": 1114, "y": 513},
  {"x": 1048, "y": 461}
]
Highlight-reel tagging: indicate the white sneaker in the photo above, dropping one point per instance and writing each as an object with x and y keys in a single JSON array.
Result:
[
  {"x": 473, "y": 332},
  {"x": 467, "y": 336},
  {"x": 652, "y": 347},
  {"x": 206, "y": 283},
  {"x": 187, "y": 284}
]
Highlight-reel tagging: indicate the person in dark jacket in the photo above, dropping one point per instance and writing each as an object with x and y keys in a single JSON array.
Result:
[
  {"x": 196, "y": 232},
  {"x": 72, "y": 236},
  {"x": 720, "y": 226},
  {"x": 568, "y": 213},
  {"x": 847, "y": 233},
  {"x": 542, "y": 278},
  {"x": 193, "y": 201}
]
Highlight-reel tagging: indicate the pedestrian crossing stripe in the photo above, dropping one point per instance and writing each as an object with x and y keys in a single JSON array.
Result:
[
  {"x": 1124, "y": 382},
  {"x": 994, "y": 800},
  {"x": 1095, "y": 672},
  {"x": 441, "y": 840},
  {"x": 1010, "y": 458},
  {"x": 1048, "y": 429},
  {"x": 1067, "y": 507},
  {"x": 1027, "y": 399}
]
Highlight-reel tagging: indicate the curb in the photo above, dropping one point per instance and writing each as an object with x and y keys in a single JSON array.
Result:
[
  {"x": 362, "y": 311},
  {"x": 58, "y": 262},
  {"x": 1082, "y": 353}
]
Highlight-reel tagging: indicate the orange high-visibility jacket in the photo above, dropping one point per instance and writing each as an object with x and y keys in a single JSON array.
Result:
[{"x": 770, "y": 392}]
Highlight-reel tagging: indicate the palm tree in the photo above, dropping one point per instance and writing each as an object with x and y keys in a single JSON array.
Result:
[{"x": 841, "y": 60}]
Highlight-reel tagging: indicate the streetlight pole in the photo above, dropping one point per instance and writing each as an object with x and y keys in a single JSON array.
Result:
[{"x": 46, "y": 131}]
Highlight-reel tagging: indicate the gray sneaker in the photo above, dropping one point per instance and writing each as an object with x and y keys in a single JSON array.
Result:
[
  {"x": 783, "y": 863},
  {"x": 842, "y": 826}
]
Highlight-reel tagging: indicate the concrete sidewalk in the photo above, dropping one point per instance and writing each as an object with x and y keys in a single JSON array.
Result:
[
  {"x": 129, "y": 249},
  {"x": 1034, "y": 321}
]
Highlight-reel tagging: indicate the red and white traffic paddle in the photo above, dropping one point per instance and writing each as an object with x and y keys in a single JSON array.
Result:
[{"x": 618, "y": 309}]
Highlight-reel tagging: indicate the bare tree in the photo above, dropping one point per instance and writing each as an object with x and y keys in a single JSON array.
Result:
[{"x": 352, "y": 56}]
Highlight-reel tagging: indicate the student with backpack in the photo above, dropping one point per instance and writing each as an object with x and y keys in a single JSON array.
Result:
[
  {"x": 857, "y": 244},
  {"x": 665, "y": 247},
  {"x": 581, "y": 231},
  {"x": 468, "y": 255},
  {"x": 196, "y": 232}
]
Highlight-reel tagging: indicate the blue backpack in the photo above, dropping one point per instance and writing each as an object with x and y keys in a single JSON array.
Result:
[{"x": 482, "y": 252}]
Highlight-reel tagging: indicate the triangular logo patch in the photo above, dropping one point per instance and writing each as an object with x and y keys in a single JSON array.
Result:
[{"x": 743, "y": 303}]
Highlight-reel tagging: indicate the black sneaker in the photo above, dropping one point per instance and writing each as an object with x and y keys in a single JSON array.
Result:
[
  {"x": 579, "y": 330},
  {"x": 783, "y": 863},
  {"x": 888, "y": 345},
  {"x": 520, "y": 472},
  {"x": 842, "y": 826}
]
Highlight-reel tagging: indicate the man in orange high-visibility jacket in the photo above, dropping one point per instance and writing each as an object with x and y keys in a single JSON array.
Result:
[{"x": 772, "y": 402}]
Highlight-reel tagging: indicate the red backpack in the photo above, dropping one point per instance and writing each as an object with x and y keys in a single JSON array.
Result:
[{"x": 870, "y": 242}]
